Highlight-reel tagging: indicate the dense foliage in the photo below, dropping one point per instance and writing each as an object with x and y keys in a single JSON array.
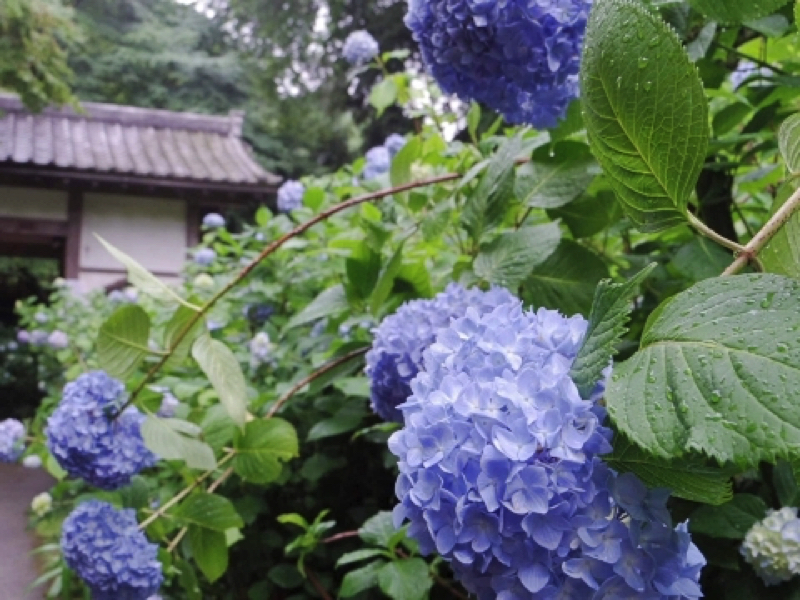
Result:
[{"x": 618, "y": 422}]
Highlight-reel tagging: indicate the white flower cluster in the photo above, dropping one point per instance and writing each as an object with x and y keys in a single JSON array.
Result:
[{"x": 772, "y": 546}]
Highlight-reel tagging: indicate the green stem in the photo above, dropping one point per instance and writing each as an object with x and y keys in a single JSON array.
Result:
[
  {"x": 762, "y": 238},
  {"x": 713, "y": 235},
  {"x": 752, "y": 59}
]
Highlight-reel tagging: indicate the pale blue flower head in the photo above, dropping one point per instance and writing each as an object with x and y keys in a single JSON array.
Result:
[
  {"x": 360, "y": 47},
  {"x": 12, "y": 440},
  {"x": 213, "y": 221},
  {"x": 205, "y": 256},
  {"x": 104, "y": 546},
  {"x": 89, "y": 442},
  {"x": 23, "y": 336},
  {"x": 772, "y": 546},
  {"x": 290, "y": 196},
  {"x": 402, "y": 337},
  {"x": 520, "y": 58},
  {"x": 58, "y": 340},
  {"x": 378, "y": 162},
  {"x": 394, "y": 143}
]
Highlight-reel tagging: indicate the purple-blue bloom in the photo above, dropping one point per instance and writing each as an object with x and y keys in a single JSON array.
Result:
[
  {"x": 399, "y": 341},
  {"x": 12, "y": 440},
  {"x": 378, "y": 162},
  {"x": 58, "y": 340},
  {"x": 213, "y": 221},
  {"x": 520, "y": 58},
  {"x": 360, "y": 47},
  {"x": 88, "y": 442},
  {"x": 205, "y": 256},
  {"x": 500, "y": 470},
  {"x": 104, "y": 546},
  {"x": 394, "y": 143},
  {"x": 290, "y": 196}
]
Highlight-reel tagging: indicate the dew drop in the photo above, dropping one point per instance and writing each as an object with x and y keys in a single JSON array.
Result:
[
  {"x": 643, "y": 60},
  {"x": 648, "y": 85}
]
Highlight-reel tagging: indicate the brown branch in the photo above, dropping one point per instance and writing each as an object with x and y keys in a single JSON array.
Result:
[
  {"x": 316, "y": 374},
  {"x": 340, "y": 536},
  {"x": 317, "y": 585}
]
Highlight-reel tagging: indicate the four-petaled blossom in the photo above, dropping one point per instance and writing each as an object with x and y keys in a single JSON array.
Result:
[
  {"x": 104, "y": 546},
  {"x": 360, "y": 47},
  {"x": 290, "y": 196},
  {"x": 213, "y": 221},
  {"x": 772, "y": 546},
  {"x": 399, "y": 341},
  {"x": 205, "y": 256},
  {"x": 518, "y": 57},
  {"x": 12, "y": 440},
  {"x": 90, "y": 440},
  {"x": 500, "y": 470}
]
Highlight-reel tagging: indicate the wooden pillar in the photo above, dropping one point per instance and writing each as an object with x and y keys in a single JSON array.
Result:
[
  {"x": 72, "y": 249},
  {"x": 193, "y": 220}
]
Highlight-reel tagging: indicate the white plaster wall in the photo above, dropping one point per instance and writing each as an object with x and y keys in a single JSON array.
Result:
[
  {"x": 91, "y": 281},
  {"x": 29, "y": 203},
  {"x": 151, "y": 230}
]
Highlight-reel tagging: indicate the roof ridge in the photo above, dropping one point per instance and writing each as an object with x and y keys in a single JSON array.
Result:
[{"x": 230, "y": 124}]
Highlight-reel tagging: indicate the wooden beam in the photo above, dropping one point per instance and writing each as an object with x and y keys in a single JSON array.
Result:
[
  {"x": 72, "y": 250},
  {"x": 40, "y": 228}
]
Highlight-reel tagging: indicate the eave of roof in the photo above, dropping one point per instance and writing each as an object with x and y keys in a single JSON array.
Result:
[{"x": 130, "y": 144}]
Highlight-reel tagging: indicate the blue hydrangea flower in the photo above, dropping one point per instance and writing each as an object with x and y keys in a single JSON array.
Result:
[
  {"x": 168, "y": 405},
  {"x": 518, "y": 57},
  {"x": 400, "y": 340},
  {"x": 23, "y": 336},
  {"x": 12, "y": 440},
  {"x": 205, "y": 256},
  {"x": 360, "y": 47},
  {"x": 259, "y": 313},
  {"x": 58, "y": 340},
  {"x": 85, "y": 439},
  {"x": 260, "y": 348},
  {"x": 41, "y": 317},
  {"x": 38, "y": 337},
  {"x": 394, "y": 143},
  {"x": 500, "y": 471},
  {"x": 378, "y": 162},
  {"x": 290, "y": 196},
  {"x": 213, "y": 221},
  {"x": 747, "y": 70},
  {"x": 104, "y": 546},
  {"x": 772, "y": 546}
]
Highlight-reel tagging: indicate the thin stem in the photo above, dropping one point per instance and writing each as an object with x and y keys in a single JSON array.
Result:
[
  {"x": 762, "y": 238},
  {"x": 740, "y": 213},
  {"x": 177, "y": 540},
  {"x": 312, "y": 577},
  {"x": 318, "y": 373},
  {"x": 713, "y": 235},
  {"x": 269, "y": 249},
  {"x": 182, "y": 494},
  {"x": 340, "y": 536},
  {"x": 752, "y": 59}
]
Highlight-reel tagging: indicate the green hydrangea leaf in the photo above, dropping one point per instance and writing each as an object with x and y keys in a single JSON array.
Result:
[
  {"x": 645, "y": 111},
  {"x": 610, "y": 311},
  {"x": 122, "y": 341},
  {"x": 736, "y": 11},
  {"x": 717, "y": 373},
  {"x": 731, "y": 520}
]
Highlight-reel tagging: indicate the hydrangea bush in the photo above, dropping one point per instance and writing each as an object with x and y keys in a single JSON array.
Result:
[{"x": 580, "y": 340}]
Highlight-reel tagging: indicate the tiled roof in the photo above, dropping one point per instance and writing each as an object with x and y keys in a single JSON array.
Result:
[{"x": 130, "y": 141}]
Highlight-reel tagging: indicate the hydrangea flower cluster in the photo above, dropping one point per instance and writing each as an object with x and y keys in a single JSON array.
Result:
[
  {"x": 772, "y": 546},
  {"x": 500, "y": 471},
  {"x": 394, "y": 143},
  {"x": 213, "y": 221},
  {"x": 168, "y": 405},
  {"x": 42, "y": 504},
  {"x": 260, "y": 347},
  {"x": 88, "y": 442},
  {"x": 290, "y": 196},
  {"x": 129, "y": 294},
  {"x": 378, "y": 162},
  {"x": 400, "y": 340},
  {"x": 23, "y": 336},
  {"x": 205, "y": 256},
  {"x": 520, "y": 58},
  {"x": 747, "y": 69},
  {"x": 105, "y": 548},
  {"x": 360, "y": 47},
  {"x": 12, "y": 440},
  {"x": 38, "y": 337},
  {"x": 58, "y": 340},
  {"x": 259, "y": 313}
]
